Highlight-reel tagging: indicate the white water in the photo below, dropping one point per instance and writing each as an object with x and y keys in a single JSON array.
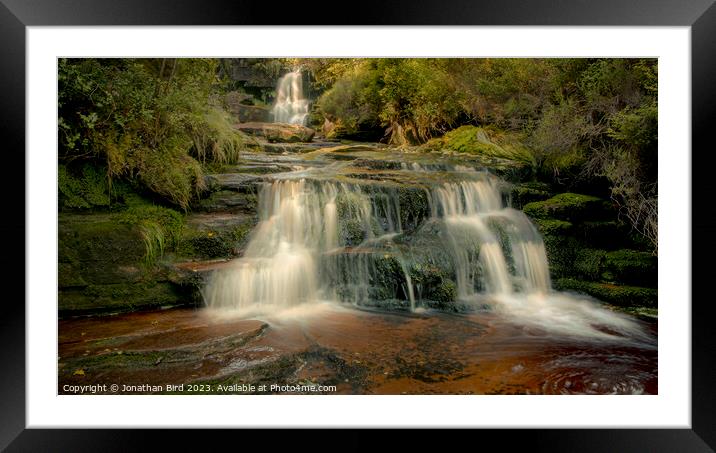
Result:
[
  {"x": 290, "y": 106},
  {"x": 474, "y": 215},
  {"x": 299, "y": 254},
  {"x": 293, "y": 256}
]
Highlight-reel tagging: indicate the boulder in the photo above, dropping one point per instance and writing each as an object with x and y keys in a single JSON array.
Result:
[
  {"x": 217, "y": 235},
  {"x": 251, "y": 113},
  {"x": 278, "y": 132},
  {"x": 571, "y": 207}
]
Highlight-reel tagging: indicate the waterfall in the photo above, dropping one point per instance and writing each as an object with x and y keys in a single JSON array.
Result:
[
  {"x": 323, "y": 240},
  {"x": 290, "y": 106},
  {"x": 482, "y": 233},
  {"x": 320, "y": 239},
  {"x": 294, "y": 257}
]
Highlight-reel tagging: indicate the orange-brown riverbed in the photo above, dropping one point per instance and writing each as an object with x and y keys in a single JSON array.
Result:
[{"x": 357, "y": 351}]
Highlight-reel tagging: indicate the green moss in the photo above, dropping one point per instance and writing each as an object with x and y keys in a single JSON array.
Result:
[
  {"x": 119, "y": 297},
  {"x": 568, "y": 206},
  {"x": 559, "y": 245},
  {"x": 552, "y": 227},
  {"x": 484, "y": 141},
  {"x": 646, "y": 313},
  {"x": 414, "y": 207},
  {"x": 96, "y": 249},
  {"x": 387, "y": 279},
  {"x": 352, "y": 232},
  {"x": 159, "y": 227},
  {"x": 589, "y": 263},
  {"x": 527, "y": 193},
  {"x": 620, "y": 295},
  {"x": 631, "y": 267},
  {"x": 443, "y": 292},
  {"x": 69, "y": 275},
  {"x": 130, "y": 360},
  {"x": 214, "y": 243}
]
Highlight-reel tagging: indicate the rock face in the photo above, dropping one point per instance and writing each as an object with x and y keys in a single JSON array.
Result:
[
  {"x": 591, "y": 251},
  {"x": 278, "y": 132},
  {"x": 102, "y": 268},
  {"x": 242, "y": 106}
]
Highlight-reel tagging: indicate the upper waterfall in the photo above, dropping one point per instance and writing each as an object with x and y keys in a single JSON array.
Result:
[{"x": 290, "y": 106}]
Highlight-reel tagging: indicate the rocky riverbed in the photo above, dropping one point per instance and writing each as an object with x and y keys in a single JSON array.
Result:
[{"x": 357, "y": 351}]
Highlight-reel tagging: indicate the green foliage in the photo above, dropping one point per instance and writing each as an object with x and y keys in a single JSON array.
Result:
[
  {"x": 142, "y": 118},
  {"x": 585, "y": 120},
  {"x": 86, "y": 190},
  {"x": 160, "y": 228},
  {"x": 215, "y": 139},
  {"x": 486, "y": 141},
  {"x": 410, "y": 99}
]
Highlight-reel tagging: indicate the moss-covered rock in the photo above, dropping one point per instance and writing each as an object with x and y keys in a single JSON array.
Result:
[
  {"x": 110, "y": 261},
  {"x": 529, "y": 192},
  {"x": 97, "y": 249},
  {"x": 485, "y": 141},
  {"x": 414, "y": 207},
  {"x": 120, "y": 297},
  {"x": 620, "y": 295},
  {"x": 571, "y": 207},
  {"x": 589, "y": 263},
  {"x": 432, "y": 283},
  {"x": 631, "y": 267},
  {"x": 209, "y": 236},
  {"x": 560, "y": 246}
]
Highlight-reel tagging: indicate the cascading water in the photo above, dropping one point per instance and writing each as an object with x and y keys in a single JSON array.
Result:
[
  {"x": 294, "y": 255},
  {"x": 321, "y": 240},
  {"x": 290, "y": 106},
  {"x": 474, "y": 216}
]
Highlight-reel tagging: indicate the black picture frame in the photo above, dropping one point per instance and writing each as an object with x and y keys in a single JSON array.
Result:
[{"x": 16, "y": 15}]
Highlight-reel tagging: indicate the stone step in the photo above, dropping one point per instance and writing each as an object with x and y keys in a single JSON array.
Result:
[{"x": 277, "y": 132}]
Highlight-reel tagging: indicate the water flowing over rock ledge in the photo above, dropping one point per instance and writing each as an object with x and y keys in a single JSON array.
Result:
[{"x": 401, "y": 190}]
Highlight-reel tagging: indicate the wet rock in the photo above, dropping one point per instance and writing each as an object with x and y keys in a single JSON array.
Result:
[
  {"x": 278, "y": 132},
  {"x": 231, "y": 181},
  {"x": 251, "y": 113},
  {"x": 227, "y": 201},
  {"x": 96, "y": 249},
  {"x": 120, "y": 297},
  {"x": 218, "y": 235}
]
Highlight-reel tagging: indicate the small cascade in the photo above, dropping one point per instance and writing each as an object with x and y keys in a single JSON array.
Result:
[
  {"x": 290, "y": 106},
  {"x": 496, "y": 249},
  {"x": 323, "y": 240},
  {"x": 298, "y": 253}
]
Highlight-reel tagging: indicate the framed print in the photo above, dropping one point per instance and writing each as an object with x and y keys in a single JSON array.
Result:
[{"x": 237, "y": 226}]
